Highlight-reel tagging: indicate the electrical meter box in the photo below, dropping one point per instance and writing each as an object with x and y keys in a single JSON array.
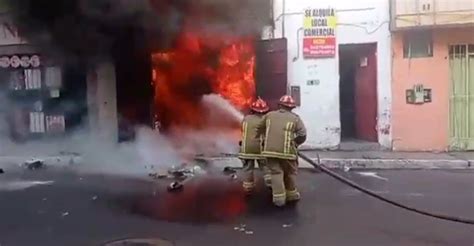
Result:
[{"x": 418, "y": 95}]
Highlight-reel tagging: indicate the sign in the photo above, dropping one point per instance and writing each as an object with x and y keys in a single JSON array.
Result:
[
  {"x": 16, "y": 61},
  {"x": 9, "y": 34},
  {"x": 319, "y": 39}
]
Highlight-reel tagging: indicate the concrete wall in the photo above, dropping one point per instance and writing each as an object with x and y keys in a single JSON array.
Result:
[
  {"x": 424, "y": 127},
  {"x": 363, "y": 21},
  {"x": 102, "y": 103}
]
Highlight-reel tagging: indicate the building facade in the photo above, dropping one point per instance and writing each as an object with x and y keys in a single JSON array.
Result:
[
  {"x": 40, "y": 97},
  {"x": 339, "y": 66},
  {"x": 433, "y": 75}
]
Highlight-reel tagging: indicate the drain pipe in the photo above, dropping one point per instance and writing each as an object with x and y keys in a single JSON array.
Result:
[{"x": 283, "y": 13}]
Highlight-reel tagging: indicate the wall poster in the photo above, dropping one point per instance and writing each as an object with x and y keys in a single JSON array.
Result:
[{"x": 319, "y": 39}]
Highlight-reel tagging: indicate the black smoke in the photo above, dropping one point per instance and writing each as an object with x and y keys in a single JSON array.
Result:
[{"x": 96, "y": 28}]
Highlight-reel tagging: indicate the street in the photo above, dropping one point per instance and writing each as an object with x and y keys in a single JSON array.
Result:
[{"x": 60, "y": 207}]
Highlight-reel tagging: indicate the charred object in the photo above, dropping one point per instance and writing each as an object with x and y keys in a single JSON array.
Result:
[
  {"x": 175, "y": 187},
  {"x": 34, "y": 164},
  {"x": 229, "y": 170}
]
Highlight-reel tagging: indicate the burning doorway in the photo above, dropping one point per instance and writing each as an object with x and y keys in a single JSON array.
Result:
[
  {"x": 205, "y": 83},
  {"x": 358, "y": 92},
  {"x": 199, "y": 66}
]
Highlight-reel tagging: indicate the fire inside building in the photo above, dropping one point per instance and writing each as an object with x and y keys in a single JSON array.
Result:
[{"x": 164, "y": 67}]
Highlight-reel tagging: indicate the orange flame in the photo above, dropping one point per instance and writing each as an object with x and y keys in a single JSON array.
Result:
[{"x": 198, "y": 66}]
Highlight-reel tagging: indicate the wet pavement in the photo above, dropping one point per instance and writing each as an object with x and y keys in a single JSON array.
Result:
[{"x": 52, "y": 207}]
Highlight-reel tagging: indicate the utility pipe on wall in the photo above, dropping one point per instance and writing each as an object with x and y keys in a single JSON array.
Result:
[{"x": 283, "y": 13}]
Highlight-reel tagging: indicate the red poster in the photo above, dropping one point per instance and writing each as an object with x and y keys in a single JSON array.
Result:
[{"x": 324, "y": 47}]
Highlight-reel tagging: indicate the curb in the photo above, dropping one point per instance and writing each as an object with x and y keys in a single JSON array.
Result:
[
  {"x": 333, "y": 163},
  {"x": 395, "y": 164}
]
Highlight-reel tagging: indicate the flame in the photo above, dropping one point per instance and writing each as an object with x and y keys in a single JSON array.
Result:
[
  {"x": 200, "y": 65},
  {"x": 235, "y": 78}
]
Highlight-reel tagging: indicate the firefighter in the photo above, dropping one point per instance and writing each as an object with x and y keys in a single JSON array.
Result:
[
  {"x": 284, "y": 131},
  {"x": 251, "y": 145}
]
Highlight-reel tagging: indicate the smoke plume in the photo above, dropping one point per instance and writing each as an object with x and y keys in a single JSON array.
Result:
[
  {"x": 89, "y": 30},
  {"x": 92, "y": 28}
]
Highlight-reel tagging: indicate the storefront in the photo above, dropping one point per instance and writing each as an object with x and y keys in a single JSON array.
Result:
[{"x": 36, "y": 103}]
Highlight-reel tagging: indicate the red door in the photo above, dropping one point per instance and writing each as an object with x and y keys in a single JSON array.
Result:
[
  {"x": 366, "y": 93},
  {"x": 271, "y": 70}
]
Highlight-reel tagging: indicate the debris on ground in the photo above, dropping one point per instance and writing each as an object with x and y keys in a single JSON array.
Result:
[
  {"x": 229, "y": 170},
  {"x": 175, "y": 186},
  {"x": 1, "y": 171},
  {"x": 198, "y": 170},
  {"x": 95, "y": 198},
  {"x": 180, "y": 173},
  {"x": 233, "y": 177},
  {"x": 346, "y": 169},
  {"x": 69, "y": 153},
  {"x": 34, "y": 164},
  {"x": 287, "y": 225},
  {"x": 65, "y": 214},
  {"x": 241, "y": 227},
  {"x": 157, "y": 175}
]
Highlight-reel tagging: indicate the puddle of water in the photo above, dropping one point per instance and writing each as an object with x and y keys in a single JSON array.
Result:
[
  {"x": 139, "y": 242},
  {"x": 372, "y": 175},
  {"x": 207, "y": 199},
  {"x": 22, "y": 185}
]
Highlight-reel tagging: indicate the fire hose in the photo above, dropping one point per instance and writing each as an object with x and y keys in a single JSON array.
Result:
[{"x": 373, "y": 194}]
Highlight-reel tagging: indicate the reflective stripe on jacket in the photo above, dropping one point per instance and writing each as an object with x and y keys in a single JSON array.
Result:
[
  {"x": 281, "y": 127},
  {"x": 251, "y": 144}
]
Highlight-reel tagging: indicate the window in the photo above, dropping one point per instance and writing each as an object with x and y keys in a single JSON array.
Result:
[{"x": 418, "y": 44}]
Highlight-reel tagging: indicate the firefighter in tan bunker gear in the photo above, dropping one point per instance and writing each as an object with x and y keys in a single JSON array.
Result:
[
  {"x": 284, "y": 131},
  {"x": 251, "y": 146}
]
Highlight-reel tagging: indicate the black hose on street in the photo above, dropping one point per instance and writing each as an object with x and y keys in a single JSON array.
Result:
[{"x": 373, "y": 194}]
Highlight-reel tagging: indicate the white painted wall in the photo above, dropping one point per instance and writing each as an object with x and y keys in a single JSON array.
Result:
[{"x": 361, "y": 21}]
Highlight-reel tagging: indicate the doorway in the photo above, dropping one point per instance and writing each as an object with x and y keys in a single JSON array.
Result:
[
  {"x": 461, "y": 61},
  {"x": 358, "y": 92},
  {"x": 271, "y": 70}
]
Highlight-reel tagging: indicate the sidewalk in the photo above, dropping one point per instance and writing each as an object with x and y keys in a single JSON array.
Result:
[
  {"x": 375, "y": 160},
  {"x": 393, "y": 160},
  {"x": 59, "y": 154}
]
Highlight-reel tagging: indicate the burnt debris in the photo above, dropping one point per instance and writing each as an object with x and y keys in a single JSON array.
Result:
[
  {"x": 175, "y": 186},
  {"x": 34, "y": 164},
  {"x": 229, "y": 170}
]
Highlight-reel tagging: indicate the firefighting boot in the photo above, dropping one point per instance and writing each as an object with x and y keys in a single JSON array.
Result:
[
  {"x": 293, "y": 196},
  {"x": 249, "y": 177},
  {"x": 278, "y": 190},
  {"x": 279, "y": 200}
]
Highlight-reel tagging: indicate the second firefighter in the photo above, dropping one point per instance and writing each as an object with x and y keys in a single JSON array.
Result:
[
  {"x": 284, "y": 131},
  {"x": 251, "y": 145}
]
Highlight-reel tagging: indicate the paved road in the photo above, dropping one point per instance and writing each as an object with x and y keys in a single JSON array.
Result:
[{"x": 63, "y": 208}]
